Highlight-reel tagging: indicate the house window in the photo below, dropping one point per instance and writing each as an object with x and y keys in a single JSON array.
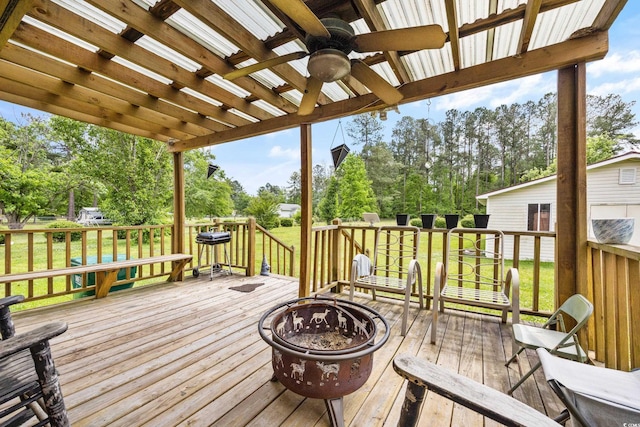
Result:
[{"x": 539, "y": 217}]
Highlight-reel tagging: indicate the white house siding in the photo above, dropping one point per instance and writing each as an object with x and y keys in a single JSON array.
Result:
[
  {"x": 606, "y": 198},
  {"x": 509, "y": 213}
]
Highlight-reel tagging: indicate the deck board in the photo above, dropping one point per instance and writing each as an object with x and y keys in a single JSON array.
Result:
[{"x": 188, "y": 353}]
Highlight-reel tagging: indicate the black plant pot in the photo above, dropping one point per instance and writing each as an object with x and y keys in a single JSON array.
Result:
[
  {"x": 427, "y": 220},
  {"x": 481, "y": 220},
  {"x": 402, "y": 219},
  {"x": 452, "y": 220}
]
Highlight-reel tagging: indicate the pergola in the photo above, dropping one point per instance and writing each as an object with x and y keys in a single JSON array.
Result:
[{"x": 157, "y": 69}]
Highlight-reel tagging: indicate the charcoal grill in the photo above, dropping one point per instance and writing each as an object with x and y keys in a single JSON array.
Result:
[{"x": 212, "y": 238}]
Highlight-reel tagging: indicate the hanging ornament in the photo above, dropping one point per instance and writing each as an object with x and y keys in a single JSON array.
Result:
[
  {"x": 211, "y": 170},
  {"x": 339, "y": 153}
]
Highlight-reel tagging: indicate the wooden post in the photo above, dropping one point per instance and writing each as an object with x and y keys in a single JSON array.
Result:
[
  {"x": 571, "y": 204},
  {"x": 306, "y": 209},
  {"x": 178, "y": 206},
  {"x": 251, "y": 259},
  {"x": 335, "y": 252}
]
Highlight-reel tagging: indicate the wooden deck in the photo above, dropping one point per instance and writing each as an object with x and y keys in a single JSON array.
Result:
[{"x": 189, "y": 353}]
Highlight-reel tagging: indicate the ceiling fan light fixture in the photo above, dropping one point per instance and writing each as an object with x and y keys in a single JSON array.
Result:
[{"x": 329, "y": 65}]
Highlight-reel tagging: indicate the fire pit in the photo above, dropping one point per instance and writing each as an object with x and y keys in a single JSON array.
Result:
[{"x": 323, "y": 348}]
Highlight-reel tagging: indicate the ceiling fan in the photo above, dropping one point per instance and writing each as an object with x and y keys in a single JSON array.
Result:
[{"x": 330, "y": 40}]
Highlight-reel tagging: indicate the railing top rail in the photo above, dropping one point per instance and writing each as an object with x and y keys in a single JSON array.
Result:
[
  {"x": 274, "y": 238},
  {"x": 626, "y": 251},
  {"x": 326, "y": 227}
]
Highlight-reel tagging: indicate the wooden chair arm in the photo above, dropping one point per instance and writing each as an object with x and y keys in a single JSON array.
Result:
[
  {"x": 478, "y": 397},
  {"x": 29, "y": 339}
]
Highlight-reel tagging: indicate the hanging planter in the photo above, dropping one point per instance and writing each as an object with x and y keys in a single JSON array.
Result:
[
  {"x": 402, "y": 219},
  {"x": 427, "y": 220},
  {"x": 338, "y": 154},
  {"x": 481, "y": 220},
  {"x": 452, "y": 220}
]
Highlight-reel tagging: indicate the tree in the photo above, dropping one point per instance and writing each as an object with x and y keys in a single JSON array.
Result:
[
  {"x": 240, "y": 197},
  {"x": 276, "y": 190},
  {"x": 205, "y": 196},
  {"x": 383, "y": 171},
  {"x": 355, "y": 193},
  {"x": 29, "y": 183},
  {"x": 365, "y": 130},
  {"x": 328, "y": 206},
  {"x": 68, "y": 139},
  {"x": 264, "y": 208},
  {"x": 294, "y": 189},
  {"x": 610, "y": 115},
  {"x": 600, "y": 148},
  {"x": 319, "y": 183},
  {"x": 136, "y": 173}
]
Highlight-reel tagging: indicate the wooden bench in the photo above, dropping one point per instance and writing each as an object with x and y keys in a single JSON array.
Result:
[
  {"x": 106, "y": 273},
  {"x": 478, "y": 397}
]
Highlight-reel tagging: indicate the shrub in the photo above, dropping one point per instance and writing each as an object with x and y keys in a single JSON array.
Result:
[
  {"x": 60, "y": 236},
  {"x": 286, "y": 222},
  {"x": 440, "y": 223},
  {"x": 468, "y": 222},
  {"x": 2, "y": 235},
  {"x": 297, "y": 217},
  {"x": 416, "y": 222}
]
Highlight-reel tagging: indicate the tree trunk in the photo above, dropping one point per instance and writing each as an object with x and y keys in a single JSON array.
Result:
[{"x": 71, "y": 210}]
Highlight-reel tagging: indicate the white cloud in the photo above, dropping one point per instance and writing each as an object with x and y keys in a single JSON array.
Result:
[
  {"x": 619, "y": 87},
  {"x": 520, "y": 90},
  {"x": 278, "y": 151},
  {"x": 615, "y": 63}
]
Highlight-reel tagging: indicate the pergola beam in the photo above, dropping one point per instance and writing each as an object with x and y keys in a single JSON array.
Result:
[
  {"x": 529, "y": 22},
  {"x": 551, "y": 58},
  {"x": 11, "y": 13}
]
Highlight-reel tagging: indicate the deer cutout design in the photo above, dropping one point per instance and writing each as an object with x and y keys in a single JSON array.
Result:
[
  {"x": 280, "y": 326},
  {"x": 328, "y": 369},
  {"x": 297, "y": 370},
  {"x": 360, "y": 326},
  {"x": 320, "y": 317},
  {"x": 278, "y": 358},
  {"x": 342, "y": 321},
  {"x": 297, "y": 321}
]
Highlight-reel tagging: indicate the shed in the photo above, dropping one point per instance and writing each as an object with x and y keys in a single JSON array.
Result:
[
  {"x": 613, "y": 191},
  {"x": 287, "y": 210}
]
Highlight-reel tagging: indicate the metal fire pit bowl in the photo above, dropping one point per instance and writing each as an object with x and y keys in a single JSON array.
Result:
[{"x": 323, "y": 347}]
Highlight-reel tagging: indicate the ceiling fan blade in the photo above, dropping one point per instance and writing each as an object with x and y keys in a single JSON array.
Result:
[
  {"x": 413, "y": 38},
  {"x": 303, "y": 16},
  {"x": 245, "y": 71},
  {"x": 311, "y": 93},
  {"x": 382, "y": 88}
]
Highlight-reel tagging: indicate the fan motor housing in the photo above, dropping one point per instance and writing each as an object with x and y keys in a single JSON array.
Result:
[{"x": 342, "y": 36}]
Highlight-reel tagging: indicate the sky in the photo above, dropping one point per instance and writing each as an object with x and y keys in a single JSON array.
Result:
[{"x": 273, "y": 158}]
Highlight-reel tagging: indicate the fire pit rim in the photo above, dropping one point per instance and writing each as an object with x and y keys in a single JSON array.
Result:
[{"x": 321, "y": 355}]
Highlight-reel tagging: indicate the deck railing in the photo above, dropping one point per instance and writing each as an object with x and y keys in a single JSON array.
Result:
[
  {"x": 36, "y": 249},
  {"x": 613, "y": 286},
  {"x": 613, "y": 271},
  {"x": 334, "y": 246}
]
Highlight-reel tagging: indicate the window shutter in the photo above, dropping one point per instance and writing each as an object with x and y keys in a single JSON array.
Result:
[{"x": 627, "y": 176}]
